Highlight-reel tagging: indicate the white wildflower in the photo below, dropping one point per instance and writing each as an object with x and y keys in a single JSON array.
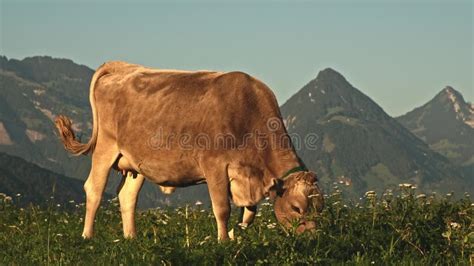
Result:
[
  {"x": 371, "y": 192},
  {"x": 116, "y": 240},
  {"x": 271, "y": 226},
  {"x": 455, "y": 225},
  {"x": 198, "y": 203},
  {"x": 405, "y": 185}
]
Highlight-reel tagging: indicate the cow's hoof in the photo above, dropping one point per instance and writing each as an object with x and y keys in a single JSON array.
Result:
[
  {"x": 86, "y": 236},
  {"x": 243, "y": 226},
  {"x": 231, "y": 234},
  {"x": 236, "y": 232},
  {"x": 130, "y": 237}
]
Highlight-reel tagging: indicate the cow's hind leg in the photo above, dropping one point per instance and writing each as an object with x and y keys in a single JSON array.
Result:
[
  {"x": 128, "y": 196},
  {"x": 103, "y": 158}
]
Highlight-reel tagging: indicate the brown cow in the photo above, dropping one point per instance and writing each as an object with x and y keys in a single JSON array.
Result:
[{"x": 180, "y": 128}]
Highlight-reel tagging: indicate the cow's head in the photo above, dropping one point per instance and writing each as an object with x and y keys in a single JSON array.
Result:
[{"x": 298, "y": 200}]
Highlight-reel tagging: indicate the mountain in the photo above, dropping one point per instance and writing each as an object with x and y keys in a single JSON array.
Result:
[
  {"x": 446, "y": 123},
  {"x": 358, "y": 144},
  {"x": 36, "y": 184},
  {"x": 36, "y": 89},
  {"x": 32, "y": 92}
]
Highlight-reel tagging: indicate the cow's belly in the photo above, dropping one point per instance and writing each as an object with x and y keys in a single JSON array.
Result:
[{"x": 162, "y": 170}]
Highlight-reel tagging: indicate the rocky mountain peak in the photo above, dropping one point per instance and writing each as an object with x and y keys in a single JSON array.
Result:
[
  {"x": 454, "y": 96},
  {"x": 454, "y": 103},
  {"x": 446, "y": 123},
  {"x": 330, "y": 73}
]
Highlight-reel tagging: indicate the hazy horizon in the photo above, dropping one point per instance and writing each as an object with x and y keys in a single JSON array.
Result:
[{"x": 399, "y": 54}]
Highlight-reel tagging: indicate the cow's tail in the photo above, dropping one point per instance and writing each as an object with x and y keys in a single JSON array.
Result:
[{"x": 64, "y": 124}]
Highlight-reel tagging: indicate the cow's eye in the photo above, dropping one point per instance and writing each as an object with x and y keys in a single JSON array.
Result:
[{"x": 296, "y": 209}]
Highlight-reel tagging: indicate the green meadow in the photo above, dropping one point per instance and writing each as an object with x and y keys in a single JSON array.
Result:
[{"x": 399, "y": 227}]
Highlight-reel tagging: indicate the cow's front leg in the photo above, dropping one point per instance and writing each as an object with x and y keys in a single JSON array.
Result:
[
  {"x": 248, "y": 215},
  {"x": 218, "y": 185},
  {"x": 128, "y": 196},
  {"x": 221, "y": 209}
]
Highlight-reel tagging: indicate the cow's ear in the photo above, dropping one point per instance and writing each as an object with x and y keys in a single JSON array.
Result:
[
  {"x": 274, "y": 188},
  {"x": 311, "y": 177}
]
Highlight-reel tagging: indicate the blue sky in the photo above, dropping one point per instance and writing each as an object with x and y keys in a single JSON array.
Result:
[{"x": 399, "y": 53}]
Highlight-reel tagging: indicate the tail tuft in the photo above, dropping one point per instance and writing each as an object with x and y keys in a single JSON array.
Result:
[{"x": 68, "y": 138}]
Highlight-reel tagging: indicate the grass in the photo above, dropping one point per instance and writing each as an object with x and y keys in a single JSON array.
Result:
[{"x": 400, "y": 228}]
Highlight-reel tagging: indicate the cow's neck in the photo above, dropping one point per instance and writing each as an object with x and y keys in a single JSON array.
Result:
[{"x": 284, "y": 162}]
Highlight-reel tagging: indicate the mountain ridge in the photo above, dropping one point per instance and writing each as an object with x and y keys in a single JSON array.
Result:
[
  {"x": 359, "y": 141},
  {"x": 446, "y": 123},
  {"x": 34, "y": 184}
]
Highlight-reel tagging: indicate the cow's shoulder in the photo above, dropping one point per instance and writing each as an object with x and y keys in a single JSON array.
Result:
[
  {"x": 235, "y": 77},
  {"x": 244, "y": 83}
]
